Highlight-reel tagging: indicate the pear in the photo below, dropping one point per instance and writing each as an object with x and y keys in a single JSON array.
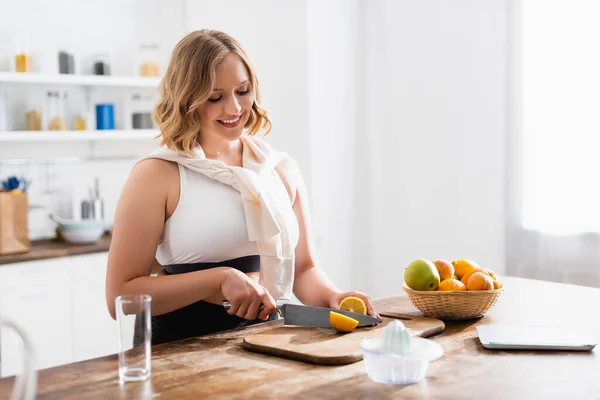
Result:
[{"x": 421, "y": 274}]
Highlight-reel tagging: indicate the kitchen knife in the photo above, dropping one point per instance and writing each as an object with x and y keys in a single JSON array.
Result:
[{"x": 300, "y": 315}]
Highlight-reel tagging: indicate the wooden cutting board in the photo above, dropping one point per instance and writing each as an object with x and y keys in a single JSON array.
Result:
[{"x": 327, "y": 347}]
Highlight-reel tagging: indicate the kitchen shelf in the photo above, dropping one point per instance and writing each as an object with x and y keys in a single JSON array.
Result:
[
  {"x": 79, "y": 80},
  {"x": 125, "y": 134}
]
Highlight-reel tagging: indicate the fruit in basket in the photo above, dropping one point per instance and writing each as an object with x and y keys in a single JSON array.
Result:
[
  {"x": 421, "y": 274},
  {"x": 449, "y": 285},
  {"x": 497, "y": 285},
  {"x": 445, "y": 269},
  {"x": 480, "y": 281},
  {"x": 490, "y": 273},
  {"x": 466, "y": 276},
  {"x": 462, "y": 266}
]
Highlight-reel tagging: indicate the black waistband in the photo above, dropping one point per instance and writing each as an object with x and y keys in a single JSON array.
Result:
[{"x": 244, "y": 264}]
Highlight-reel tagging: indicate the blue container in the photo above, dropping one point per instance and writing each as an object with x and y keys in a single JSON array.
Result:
[{"x": 105, "y": 116}]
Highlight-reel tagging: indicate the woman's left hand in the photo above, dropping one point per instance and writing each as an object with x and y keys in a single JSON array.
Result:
[{"x": 334, "y": 302}]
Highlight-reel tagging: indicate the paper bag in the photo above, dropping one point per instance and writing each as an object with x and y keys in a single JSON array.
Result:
[{"x": 14, "y": 234}]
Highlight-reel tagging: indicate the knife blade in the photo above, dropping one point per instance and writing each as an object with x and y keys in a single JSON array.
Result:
[
  {"x": 318, "y": 317},
  {"x": 300, "y": 315}
]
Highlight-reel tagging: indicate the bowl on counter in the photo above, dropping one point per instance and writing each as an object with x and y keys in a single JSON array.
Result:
[
  {"x": 86, "y": 231},
  {"x": 453, "y": 305}
]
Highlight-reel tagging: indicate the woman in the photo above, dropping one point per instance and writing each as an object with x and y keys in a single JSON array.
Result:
[{"x": 215, "y": 212}]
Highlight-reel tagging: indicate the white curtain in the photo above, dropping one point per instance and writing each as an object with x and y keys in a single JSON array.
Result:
[{"x": 554, "y": 227}]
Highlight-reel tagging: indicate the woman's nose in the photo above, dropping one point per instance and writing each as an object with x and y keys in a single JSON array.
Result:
[{"x": 232, "y": 106}]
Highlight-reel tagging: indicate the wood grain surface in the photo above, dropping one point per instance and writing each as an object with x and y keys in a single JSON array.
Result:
[
  {"x": 325, "y": 346},
  {"x": 219, "y": 367},
  {"x": 53, "y": 248}
]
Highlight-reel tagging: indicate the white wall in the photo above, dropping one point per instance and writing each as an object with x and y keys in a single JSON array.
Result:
[
  {"x": 83, "y": 28},
  {"x": 436, "y": 128},
  {"x": 395, "y": 111},
  {"x": 280, "y": 60},
  {"x": 274, "y": 35},
  {"x": 334, "y": 93}
]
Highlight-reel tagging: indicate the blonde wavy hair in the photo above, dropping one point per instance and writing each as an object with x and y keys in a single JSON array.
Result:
[{"x": 188, "y": 83}]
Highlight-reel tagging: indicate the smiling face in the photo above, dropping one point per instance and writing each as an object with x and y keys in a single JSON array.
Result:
[{"x": 228, "y": 107}]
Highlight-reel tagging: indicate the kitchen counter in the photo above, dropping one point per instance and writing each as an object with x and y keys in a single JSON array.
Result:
[
  {"x": 217, "y": 366},
  {"x": 53, "y": 248}
]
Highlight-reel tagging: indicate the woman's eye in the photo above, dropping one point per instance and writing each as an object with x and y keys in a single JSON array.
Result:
[
  {"x": 214, "y": 100},
  {"x": 244, "y": 91}
]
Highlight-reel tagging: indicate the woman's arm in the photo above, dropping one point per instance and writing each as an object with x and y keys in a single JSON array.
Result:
[
  {"x": 139, "y": 221},
  {"x": 311, "y": 284}
]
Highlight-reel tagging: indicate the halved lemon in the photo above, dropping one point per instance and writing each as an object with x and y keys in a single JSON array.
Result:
[
  {"x": 354, "y": 304},
  {"x": 341, "y": 323}
]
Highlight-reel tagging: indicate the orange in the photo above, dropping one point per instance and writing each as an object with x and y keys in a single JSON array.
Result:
[
  {"x": 480, "y": 281},
  {"x": 354, "y": 304},
  {"x": 448, "y": 285},
  {"x": 491, "y": 273},
  {"x": 462, "y": 266},
  {"x": 341, "y": 323},
  {"x": 466, "y": 276},
  {"x": 497, "y": 285},
  {"x": 445, "y": 269}
]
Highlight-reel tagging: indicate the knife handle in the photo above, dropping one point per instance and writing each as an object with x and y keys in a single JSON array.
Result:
[{"x": 227, "y": 306}]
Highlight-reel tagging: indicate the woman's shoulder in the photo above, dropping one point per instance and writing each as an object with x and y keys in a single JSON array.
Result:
[
  {"x": 153, "y": 176},
  {"x": 155, "y": 167}
]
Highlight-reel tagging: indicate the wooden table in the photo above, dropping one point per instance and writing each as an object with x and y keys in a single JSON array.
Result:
[{"x": 217, "y": 366}]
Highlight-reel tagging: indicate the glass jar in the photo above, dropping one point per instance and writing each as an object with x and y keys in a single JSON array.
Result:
[
  {"x": 55, "y": 112},
  {"x": 33, "y": 117},
  {"x": 66, "y": 62},
  {"x": 101, "y": 64},
  {"x": 23, "y": 61},
  {"x": 148, "y": 60},
  {"x": 141, "y": 112},
  {"x": 80, "y": 124}
]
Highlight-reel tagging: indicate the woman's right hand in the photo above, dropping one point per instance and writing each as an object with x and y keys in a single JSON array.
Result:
[{"x": 246, "y": 296}]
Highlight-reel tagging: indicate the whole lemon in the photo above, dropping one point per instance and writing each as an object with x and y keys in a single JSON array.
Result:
[{"x": 462, "y": 266}]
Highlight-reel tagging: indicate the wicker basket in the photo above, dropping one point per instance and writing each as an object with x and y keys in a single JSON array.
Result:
[{"x": 453, "y": 305}]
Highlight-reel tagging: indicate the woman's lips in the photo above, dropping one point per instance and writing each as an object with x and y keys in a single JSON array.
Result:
[{"x": 231, "y": 122}]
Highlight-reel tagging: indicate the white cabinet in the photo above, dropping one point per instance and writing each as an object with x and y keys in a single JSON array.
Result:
[
  {"x": 94, "y": 331},
  {"x": 60, "y": 303},
  {"x": 37, "y": 296}
]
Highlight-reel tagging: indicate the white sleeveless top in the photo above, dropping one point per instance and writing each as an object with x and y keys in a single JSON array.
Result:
[{"x": 208, "y": 224}]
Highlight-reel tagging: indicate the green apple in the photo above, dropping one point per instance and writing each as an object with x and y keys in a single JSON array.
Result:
[{"x": 421, "y": 274}]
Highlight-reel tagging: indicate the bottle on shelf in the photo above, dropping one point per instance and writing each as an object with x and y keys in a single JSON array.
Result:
[
  {"x": 23, "y": 60},
  {"x": 33, "y": 117},
  {"x": 148, "y": 56},
  {"x": 141, "y": 112},
  {"x": 101, "y": 64},
  {"x": 55, "y": 112},
  {"x": 66, "y": 62},
  {"x": 80, "y": 123}
]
